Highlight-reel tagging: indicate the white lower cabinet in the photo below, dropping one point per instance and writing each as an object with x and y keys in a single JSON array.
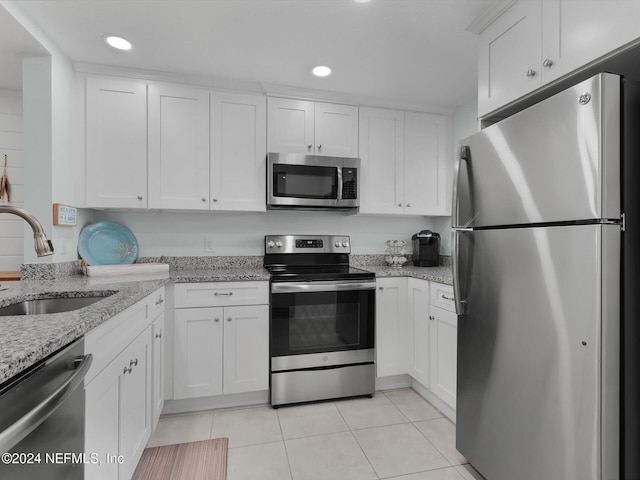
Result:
[
  {"x": 416, "y": 334},
  {"x": 392, "y": 326},
  {"x": 418, "y": 303},
  {"x": 221, "y": 349},
  {"x": 118, "y": 391},
  {"x": 443, "y": 344}
]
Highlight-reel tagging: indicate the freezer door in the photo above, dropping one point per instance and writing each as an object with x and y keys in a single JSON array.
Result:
[
  {"x": 538, "y": 352},
  {"x": 556, "y": 161}
]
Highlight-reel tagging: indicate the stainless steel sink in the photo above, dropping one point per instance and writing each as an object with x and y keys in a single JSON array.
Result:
[{"x": 43, "y": 306}]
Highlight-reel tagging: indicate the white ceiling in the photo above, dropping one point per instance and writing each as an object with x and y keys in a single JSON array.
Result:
[{"x": 413, "y": 52}]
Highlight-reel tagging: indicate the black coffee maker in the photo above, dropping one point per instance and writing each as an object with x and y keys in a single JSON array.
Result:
[{"x": 426, "y": 249}]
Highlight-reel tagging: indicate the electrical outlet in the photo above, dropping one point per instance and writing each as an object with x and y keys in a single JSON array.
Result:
[{"x": 208, "y": 245}]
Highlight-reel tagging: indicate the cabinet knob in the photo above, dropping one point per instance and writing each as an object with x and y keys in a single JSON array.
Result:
[
  {"x": 214, "y": 200},
  {"x": 229, "y": 319},
  {"x": 319, "y": 146},
  {"x": 139, "y": 197},
  {"x": 309, "y": 147},
  {"x": 127, "y": 370},
  {"x": 160, "y": 301},
  {"x": 431, "y": 317},
  {"x": 380, "y": 288},
  {"x": 159, "y": 335},
  {"x": 204, "y": 199},
  {"x": 408, "y": 205},
  {"x": 216, "y": 320},
  {"x": 400, "y": 204},
  {"x": 133, "y": 363},
  {"x": 531, "y": 73},
  {"x": 548, "y": 63}
]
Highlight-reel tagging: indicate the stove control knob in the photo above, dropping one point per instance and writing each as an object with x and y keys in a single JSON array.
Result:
[
  {"x": 270, "y": 244},
  {"x": 279, "y": 244},
  {"x": 337, "y": 244},
  {"x": 345, "y": 244}
]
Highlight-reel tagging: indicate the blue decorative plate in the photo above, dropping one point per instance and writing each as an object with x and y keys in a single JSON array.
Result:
[{"x": 107, "y": 243}]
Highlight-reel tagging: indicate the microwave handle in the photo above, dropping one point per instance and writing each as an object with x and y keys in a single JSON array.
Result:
[{"x": 339, "y": 183}]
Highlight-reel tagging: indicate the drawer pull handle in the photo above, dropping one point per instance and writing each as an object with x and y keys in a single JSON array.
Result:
[
  {"x": 133, "y": 363},
  {"x": 431, "y": 317},
  {"x": 451, "y": 299},
  {"x": 159, "y": 335},
  {"x": 127, "y": 370},
  {"x": 227, "y": 294}
]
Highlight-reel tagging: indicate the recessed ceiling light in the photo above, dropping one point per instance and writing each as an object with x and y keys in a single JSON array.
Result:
[
  {"x": 118, "y": 43},
  {"x": 321, "y": 71}
]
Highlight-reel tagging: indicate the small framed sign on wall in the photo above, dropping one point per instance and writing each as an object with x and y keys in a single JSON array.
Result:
[{"x": 64, "y": 215}]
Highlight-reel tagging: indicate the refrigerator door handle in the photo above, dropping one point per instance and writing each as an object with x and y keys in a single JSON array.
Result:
[
  {"x": 460, "y": 304},
  {"x": 463, "y": 154}
]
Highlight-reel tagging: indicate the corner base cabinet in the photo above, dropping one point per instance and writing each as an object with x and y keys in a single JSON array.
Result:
[{"x": 416, "y": 335}]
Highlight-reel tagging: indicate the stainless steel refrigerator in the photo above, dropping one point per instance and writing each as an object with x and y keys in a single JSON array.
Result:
[{"x": 546, "y": 276}]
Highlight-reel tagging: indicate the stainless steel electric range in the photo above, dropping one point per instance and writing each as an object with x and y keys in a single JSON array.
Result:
[{"x": 322, "y": 320}]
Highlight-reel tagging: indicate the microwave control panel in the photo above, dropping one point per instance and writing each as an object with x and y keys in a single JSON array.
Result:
[{"x": 349, "y": 183}]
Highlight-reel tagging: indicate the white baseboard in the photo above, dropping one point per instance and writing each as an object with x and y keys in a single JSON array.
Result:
[{"x": 218, "y": 401}]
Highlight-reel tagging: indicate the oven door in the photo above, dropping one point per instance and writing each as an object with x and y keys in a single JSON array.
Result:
[{"x": 324, "y": 321}]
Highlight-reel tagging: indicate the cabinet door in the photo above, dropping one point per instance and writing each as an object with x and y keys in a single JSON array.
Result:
[
  {"x": 178, "y": 147},
  {"x": 197, "y": 356},
  {"x": 443, "y": 354},
  {"x": 135, "y": 404},
  {"x": 238, "y": 152},
  {"x": 382, "y": 156},
  {"x": 576, "y": 33},
  {"x": 336, "y": 130},
  {"x": 246, "y": 349},
  {"x": 427, "y": 176},
  {"x": 418, "y": 294},
  {"x": 157, "y": 389},
  {"x": 102, "y": 401},
  {"x": 116, "y": 148},
  {"x": 509, "y": 56},
  {"x": 392, "y": 327},
  {"x": 291, "y": 126}
]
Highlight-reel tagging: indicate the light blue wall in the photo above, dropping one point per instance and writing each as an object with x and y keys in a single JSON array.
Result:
[{"x": 170, "y": 233}]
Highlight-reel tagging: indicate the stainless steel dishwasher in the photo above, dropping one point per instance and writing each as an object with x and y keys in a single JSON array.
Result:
[{"x": 42, "y": 419}]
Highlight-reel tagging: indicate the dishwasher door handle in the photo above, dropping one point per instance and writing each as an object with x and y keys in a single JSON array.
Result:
[{"x": 30, "y": 421}]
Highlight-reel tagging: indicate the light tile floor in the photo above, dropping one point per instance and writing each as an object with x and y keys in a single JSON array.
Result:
[{"x": 394, "y": 435}]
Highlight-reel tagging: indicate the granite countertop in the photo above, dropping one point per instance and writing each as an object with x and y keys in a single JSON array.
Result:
[
  {"x": 26, "y": 339},
  {"x": 440, "y": 274}
]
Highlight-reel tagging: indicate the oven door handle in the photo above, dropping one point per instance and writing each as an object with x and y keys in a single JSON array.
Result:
[{"x": 321, "y": 286}]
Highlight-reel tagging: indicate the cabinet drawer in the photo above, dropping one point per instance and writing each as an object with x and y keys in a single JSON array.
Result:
[
  {"x": 442, "y": 296},
  {"x": 108, "y": 340},
  {"x": 156, "y": 303},
  {"x": 221, "y": 294}
]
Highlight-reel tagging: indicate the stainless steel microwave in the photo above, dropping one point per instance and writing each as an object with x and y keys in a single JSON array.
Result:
[{"x": 312, "y": 182}]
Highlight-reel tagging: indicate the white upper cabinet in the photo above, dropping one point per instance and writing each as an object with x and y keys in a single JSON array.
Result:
[
  {"x": 238, "y": 152},
  {"x": 405, "y": 163},
  {"x": 183, "y": 147},
  {"x": 509, "y": 56},
  {"x": 178, "y": 147},
  {"x": 116, "y": 143},
  {"x": 382, "y": 156},
  {"x": 427, "y": 165},
  {"x": 537, "y": 41},
  {"x": 312, "y": 128}
]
